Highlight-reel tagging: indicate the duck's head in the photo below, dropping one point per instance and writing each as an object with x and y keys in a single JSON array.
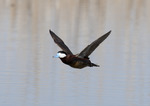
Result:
[{"x": 60, "y": 54}]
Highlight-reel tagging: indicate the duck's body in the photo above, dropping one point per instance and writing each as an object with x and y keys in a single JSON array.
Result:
[
  {"x": 77, "y": 62},
  {"x": 80, "y": 60}
]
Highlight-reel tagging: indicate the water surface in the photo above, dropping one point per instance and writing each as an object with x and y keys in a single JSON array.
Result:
[{"x": 29, "y": 76}]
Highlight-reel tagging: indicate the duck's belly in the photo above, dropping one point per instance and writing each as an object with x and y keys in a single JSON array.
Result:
[{"x": 78, "y": 64}]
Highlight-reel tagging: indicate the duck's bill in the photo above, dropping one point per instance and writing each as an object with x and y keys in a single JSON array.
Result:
[{"x": 57, "y": 56}]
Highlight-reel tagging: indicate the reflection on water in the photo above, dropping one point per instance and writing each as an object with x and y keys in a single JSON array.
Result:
[{"x": 29, "y": 76}]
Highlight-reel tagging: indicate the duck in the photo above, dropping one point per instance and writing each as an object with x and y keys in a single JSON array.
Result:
[{"x": 80, "y": 60}]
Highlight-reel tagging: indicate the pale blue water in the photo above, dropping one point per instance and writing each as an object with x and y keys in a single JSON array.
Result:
[{"x": 29, "y": 76}]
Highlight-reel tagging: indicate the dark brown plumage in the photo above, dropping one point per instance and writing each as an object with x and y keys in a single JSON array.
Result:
[
  {"x": 60, "y": 43},
  {"x": 80, "y": 60}
]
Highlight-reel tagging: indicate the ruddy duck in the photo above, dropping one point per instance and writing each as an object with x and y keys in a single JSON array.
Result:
[{"x": 80, "y": 60}]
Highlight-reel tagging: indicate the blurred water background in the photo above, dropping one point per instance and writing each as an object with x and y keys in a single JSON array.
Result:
[{"x": 29, "y": 76}]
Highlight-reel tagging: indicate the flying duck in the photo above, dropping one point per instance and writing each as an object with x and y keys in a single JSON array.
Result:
[{"x": 80, "y": 60}]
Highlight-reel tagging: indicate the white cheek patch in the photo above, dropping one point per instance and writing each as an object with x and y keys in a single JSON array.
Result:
[{"x": 61, "y": 55}]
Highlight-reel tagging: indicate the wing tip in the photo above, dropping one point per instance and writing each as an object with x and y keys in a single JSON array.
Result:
[
  {"x": 50, "y": 31},
  {"x": 109, "y": 32}
]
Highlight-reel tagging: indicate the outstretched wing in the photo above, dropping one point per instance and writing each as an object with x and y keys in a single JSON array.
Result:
[
  {"x": 90, "y": 48},
  {"x": 60, "y": 42}
]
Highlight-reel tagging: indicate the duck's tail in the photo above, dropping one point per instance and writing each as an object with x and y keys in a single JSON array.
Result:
[{"x": 95, "y": 65}]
